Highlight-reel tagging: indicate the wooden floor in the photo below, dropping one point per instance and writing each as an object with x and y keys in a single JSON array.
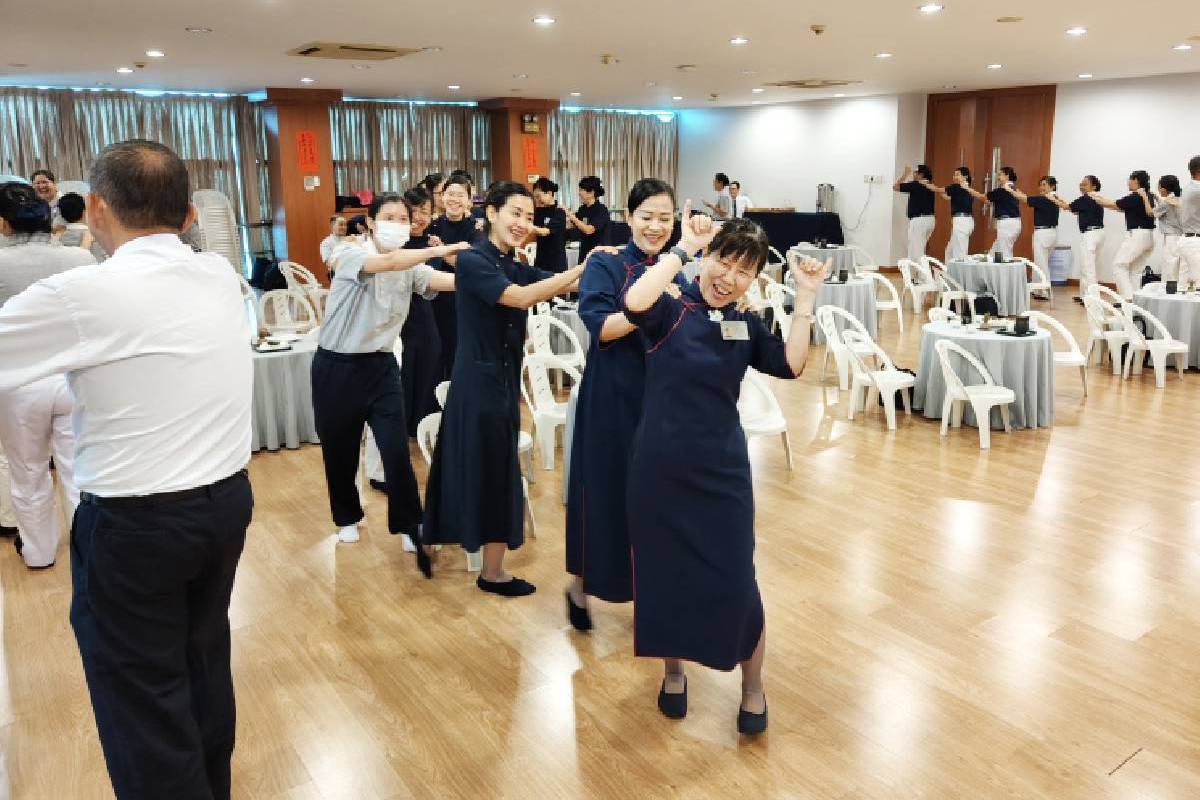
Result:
[{"x": 942, "y": 623}]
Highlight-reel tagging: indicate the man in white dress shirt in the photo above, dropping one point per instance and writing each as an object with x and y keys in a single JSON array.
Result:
[
  {"x": 740, "y": 201},
  {"x": 153, "y": 344},
  {"x": 1189, "y": 221}
]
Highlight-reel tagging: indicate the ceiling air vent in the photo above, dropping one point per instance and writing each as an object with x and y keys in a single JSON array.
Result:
[
  {"x": 811, "y": 83},
  {"x": 352, "y": 52}
]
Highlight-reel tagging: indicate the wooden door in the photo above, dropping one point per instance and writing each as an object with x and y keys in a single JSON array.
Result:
[{"x": 964, "y": 128}]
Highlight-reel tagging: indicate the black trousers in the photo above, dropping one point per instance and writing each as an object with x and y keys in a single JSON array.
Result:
[
  {"x": 150, "y": 608},
  {"x": 350, "y": 391}
]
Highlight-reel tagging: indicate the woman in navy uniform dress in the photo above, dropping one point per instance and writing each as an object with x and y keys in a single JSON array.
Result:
[
  {"x": 691, "y": 502},
  {"x": 454, "y": 226},
  {"x": 421, "y": 369},
  {"x": 592, "y": 218},
  {"x": 550, "y": 226},
  {"x": 473, "y": 497},
  {"x": 609, "y": 407}
]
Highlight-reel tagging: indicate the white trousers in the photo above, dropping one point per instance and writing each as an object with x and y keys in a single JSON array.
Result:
[
  {"x": 919, "y": 231},
  {"x": 1189, "y": 259},
  {"x": 1007, "y": 231},
  {"x": 1090, "y": 245},
  {"x": 1135, "y": 248},
  {"x": 8, "y": 519},
  {"x": 1170, "y": 253},
  {"x": 35, "y": 423},
  {"x": 959, "y": 245},
  {"x": 1044, "y": 242}
]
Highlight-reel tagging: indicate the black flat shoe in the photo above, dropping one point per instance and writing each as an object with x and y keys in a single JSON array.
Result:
[
  {"x": 579, "y": 616},
  {"x": 18, "y": 545},
  {"x": 6, "y": 532},
  {"x": 673, "y": 706},
  {"x": 752, "y": 724},
  {"x": 1079, "y": 300},
  {"x": 378, "y": 486},
  {"x": 510, "y": 588}
]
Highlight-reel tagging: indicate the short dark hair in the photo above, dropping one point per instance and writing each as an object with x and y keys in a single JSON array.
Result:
[
  {"x": 500, "y": 191},
  {"x": 460, "y": 179},
  {"x": 721, "y": 178},
  {"x": 356, "y": 225},
  {"x": 925, "y": 172},
  {"x": 646, "y": 188},
  {"x": 1142, "y": 177},
  {"x": 462, "y": 173},
  {"x": 144, "y": 183},
  {"x": 416, "y": 197},
  {"x": 1051, "y": 181},
  {"x": 736, "y": 183},
  {"x": 382, "y": 199},
  {"x": 431, "y": 181},
  {"x": 1171, "y": 184},
  {"x": 966, "y": 173},
  {"x": 740, "y": 239},
  {"x": 49, "y": 175},
  {"x": 1194, "y": 166},
  {"x": 23, "y": 209},
  {"x": 592, "y": 184},
  {"x": 1010, "y": 172},
  {"x": 1094, "y": 181},
  {"x": 544, "y": 184},
  {"x": 71, "y": 207}
]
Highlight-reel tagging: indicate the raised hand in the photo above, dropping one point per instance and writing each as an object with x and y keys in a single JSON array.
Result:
[
  {"x": 696, "y": 230},
  {"x": 451, "y": 249},
  {"x": 808, "y": 273}
]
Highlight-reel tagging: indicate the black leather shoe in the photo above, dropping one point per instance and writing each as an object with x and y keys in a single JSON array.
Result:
[
  {"x": 673, "y": 706},
  {"x": 378, "y": 486},
  {"x": 579, "y": 616},
  {"x": 18, "y": 545},
  {"x": 510, "y": 588},
  {"x": 6, "y": 532},
  {"x": 1078, "y": 300},
  {"x": 752, "y": 724}
]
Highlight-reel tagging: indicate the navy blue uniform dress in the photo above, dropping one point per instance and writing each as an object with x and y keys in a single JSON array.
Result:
[
  {"x": 444, "y": 305},
  {"x": 598, "y": 217},
  {"x": 421, "y": 368},
  {"x": 473, "y": 496},
  {"x": 690, "y": 497},
  {"x": 551, "y": 248},
  {"x": 607, "y": 413}
]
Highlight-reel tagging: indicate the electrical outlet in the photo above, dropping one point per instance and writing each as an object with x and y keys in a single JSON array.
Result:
[{"x": 873, "y": 179}]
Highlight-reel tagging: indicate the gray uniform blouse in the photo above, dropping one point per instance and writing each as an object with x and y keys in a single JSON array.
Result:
[
  {"x": 1168, "y": 219},
  {"x": 26, "y": 258}
]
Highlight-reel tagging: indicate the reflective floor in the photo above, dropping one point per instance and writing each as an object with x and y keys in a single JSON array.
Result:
[{"x": 942, "y": 623}]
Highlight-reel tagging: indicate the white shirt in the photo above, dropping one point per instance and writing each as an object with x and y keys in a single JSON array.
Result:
[
  {"x": 741, "y": 203},
  {"x": 153, "y": 344},
  {"x": 725, "y": 201},
  {"x": 327, "y": 245}
]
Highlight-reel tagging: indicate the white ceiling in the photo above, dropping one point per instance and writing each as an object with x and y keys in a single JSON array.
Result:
[{"x": 486, "y": 42}]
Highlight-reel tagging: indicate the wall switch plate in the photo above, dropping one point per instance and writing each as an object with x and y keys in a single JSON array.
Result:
[{"x": 873, "y": 179}]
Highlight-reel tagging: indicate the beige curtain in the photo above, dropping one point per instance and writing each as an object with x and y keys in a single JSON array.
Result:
[
  {"x": 390, "y": 146},
  {"x": 618, "y": 147}
]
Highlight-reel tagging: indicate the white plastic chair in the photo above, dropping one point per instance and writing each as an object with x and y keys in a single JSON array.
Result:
[
  {"x": 1072, "y": 357},
  {"x": 754, "y": 296},
  {"x": 1039, "y": 282},
  {"x": 529, "y": 251},
  {"x": 1161, "y": 348},
  {"x": 775, "y": 264},
  {"x": 548, "y": 413},
  {"x": 1101, "y": 316},
  {"x": 250, "y": 306},
  {"x": 982, "y": 397},
  {"x": 952, "y": 292},
  {"x": 539, "y": 330},
  {"x": 917, "y": 283},
  {"x": 777, "y": 296},
  {"x": 883, "y": 382},
  {"x": 301, "y": 279},
  {"x": 933, "y": 266},
  {"x": 760, "y": 412},
  {"x": 862, "y": 260},
  {"x": 1106, "y": 294},
  {"x": 286, "y": 311},
  {"x": 827, "y": 319},
  {"x": 943, "y": 315},
  {"x": 894, "y": 304},
  {"x": 217, "y": 224}
]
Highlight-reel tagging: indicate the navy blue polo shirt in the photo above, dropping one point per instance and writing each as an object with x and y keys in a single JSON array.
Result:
[
  {"x": 1003, "y": 204},
  {"x": 1135, "y": 212},
  {"x": 1045, "y": 212},
  {"x": 961, "y": 201},
  {"x": 1088, "y": 212},
  {"x": 920, "y": 199}
]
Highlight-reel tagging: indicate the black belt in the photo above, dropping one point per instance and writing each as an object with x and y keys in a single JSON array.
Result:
[
  {"x": 336, "y": 356},
  {"x": 1141, "y": 228},
  {"x": 1045, "y": 227},
  {"x": 1091, "y": 228},
  {"x": 963, "y": 214},
  {"x": 1007, "y": 218},
  {"x": 1191, "y": 235},
  {"x": 920, "y": 216},
  {"x": 161, "y": 499}
]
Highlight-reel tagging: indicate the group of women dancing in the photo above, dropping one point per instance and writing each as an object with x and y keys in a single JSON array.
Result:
[
  {"x": 660, "y": 476},
  {"x": 1145, "y": 208}
]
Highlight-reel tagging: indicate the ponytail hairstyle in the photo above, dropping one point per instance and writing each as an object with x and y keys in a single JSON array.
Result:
[
  {"x": 923, "y": 171},
  {"x": 1170, "y": 184},
  {"x": 1143, "y": 181},
  {"x": 592, "y": 184},
  {"x": 741, "y": 239},
  {"x": 544, "y": 184},
  {"x": 1050, "y": 181},
  {"x": 1010, "y": 172},
  {"x": 430, "y": 182},
  {"x": 22, "y": 209},
  {"x": 966, "y": 173},
  {"x": 498, "y": 194},
  {"x": 1094, "y": 181}
]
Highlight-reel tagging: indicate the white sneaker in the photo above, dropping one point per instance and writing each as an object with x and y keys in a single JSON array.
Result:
[
  {"x": 406, "y": 542},
  {"x": 348, "y": 534}
]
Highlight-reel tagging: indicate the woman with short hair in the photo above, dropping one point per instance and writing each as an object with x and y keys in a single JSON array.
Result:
[
  {"x": 550, "y": 227},
  {"x": 592, "y": 218}
]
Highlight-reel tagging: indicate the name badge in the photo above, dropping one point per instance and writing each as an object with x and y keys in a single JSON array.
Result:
[{"x": 735, "y": 331}]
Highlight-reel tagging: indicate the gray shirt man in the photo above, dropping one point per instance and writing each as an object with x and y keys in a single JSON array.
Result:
[{"x": 26, "y": 258}]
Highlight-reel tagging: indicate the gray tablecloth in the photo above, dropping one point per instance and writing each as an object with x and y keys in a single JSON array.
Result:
[
  {"x": 568, "y": 434},
  {"x": 1024, "y": 365},
  {"x": 283, "y": 410},
  {"x": 1007, "y": 281},
  {"x": 843, "y": 257},
  {"x": 1181, "y": 314},
  {"x": 572, "y": 256},
  {"x": 856, "y": 296}
]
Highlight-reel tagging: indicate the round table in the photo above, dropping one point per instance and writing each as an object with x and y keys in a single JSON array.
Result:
[
  {"x": 1006, "y": 281},
  {"x": 283, "y": 412},
  {"x": 1025, "y": 365},
  {"x": 842, "y": 257},
  {"x": 1180, "y": 313},
  {"x": 856, "y": 295}
]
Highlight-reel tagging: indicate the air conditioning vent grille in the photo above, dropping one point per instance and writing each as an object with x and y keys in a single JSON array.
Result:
[{"x": 347, "y": 51}]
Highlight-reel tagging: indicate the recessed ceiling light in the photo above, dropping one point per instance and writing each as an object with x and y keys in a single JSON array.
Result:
[
  {"x": 747, "y": 72},
  {"x": 103, "y": 83},
  {"x": 1182, "y": 47},
  {"x": 995, "y": 66},
  {"x": 1009, "y": 19},
  {"x": 125, "y": 70},
  {"x": 360, "y": 66},
  {"x": 155, "y": 54},
  {"x": 758, "y": 90},
  {"x": 198, "y": 30},
  {"x": 543, "y": 19},
  {"x": 651, "y": 84},
  {"x": 521, "y": 76},
  {"x": 576, "y": 94},
  {"x": 1076, "y": 31},
  {"x": 1085, "y": 75},
  {"x": 677, "y": 97},
  {"x": 454, "y": 87},
  {"x": 930, "y": 8},
  {"x": 739, "y": 40},
  {"x": 686, "y": 67},
  {"x": 883, "y": 55},
  {"x": 950, "y": 86},
  {"x": 307, "y": 80},
  {"x": 431, "y": 49},
  {"x": 840, "y": 94}
]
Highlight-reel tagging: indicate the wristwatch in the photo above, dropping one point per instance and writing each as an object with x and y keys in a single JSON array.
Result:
[{"x": 683, "y": 255}]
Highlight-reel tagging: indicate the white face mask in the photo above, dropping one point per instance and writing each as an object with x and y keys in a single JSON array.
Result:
[{"x": 391, "y": 235}]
